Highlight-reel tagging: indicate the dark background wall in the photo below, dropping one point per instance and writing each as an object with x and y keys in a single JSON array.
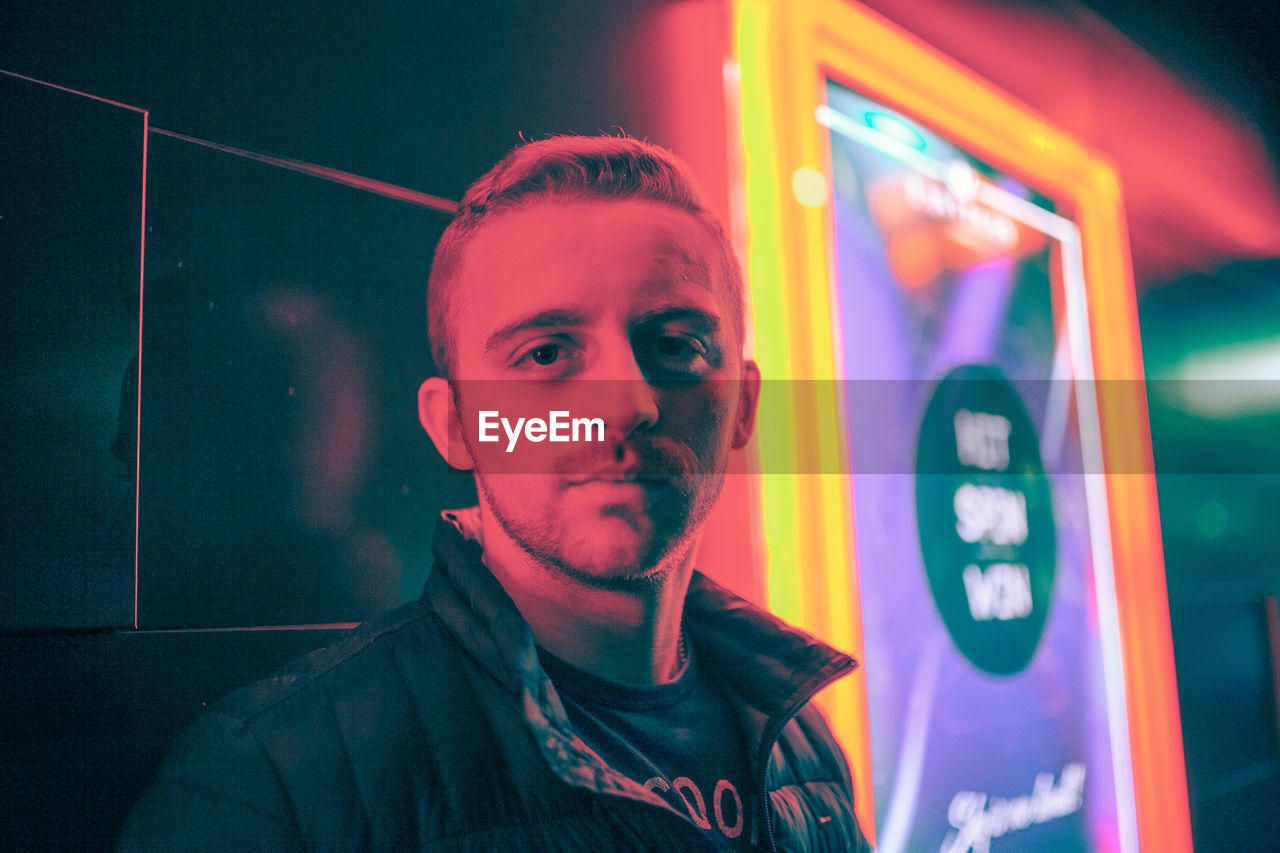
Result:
[{"x": 424, "y": 95}]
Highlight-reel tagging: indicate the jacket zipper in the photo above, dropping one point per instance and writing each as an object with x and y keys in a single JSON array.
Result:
[{"x": 774, "y": 733}]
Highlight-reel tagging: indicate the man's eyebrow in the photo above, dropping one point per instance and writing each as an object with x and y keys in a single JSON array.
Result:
[
  {"x": 550, "y": 319},
  {"x": 676, "y": 312}
]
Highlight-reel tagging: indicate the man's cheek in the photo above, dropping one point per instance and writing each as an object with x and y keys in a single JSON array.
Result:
[
  {"x": 513, "y": 444},
  {"x": 510, "y": 428},
  {"x": 701, "y": 420}
]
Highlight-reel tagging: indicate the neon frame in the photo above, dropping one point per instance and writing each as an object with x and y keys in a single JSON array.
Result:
[{"x": 785, "y": 56}]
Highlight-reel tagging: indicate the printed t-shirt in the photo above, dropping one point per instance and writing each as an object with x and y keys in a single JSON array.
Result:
[{"x": 680, "y": 740}]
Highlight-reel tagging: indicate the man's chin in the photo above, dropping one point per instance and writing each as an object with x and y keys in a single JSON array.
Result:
[
  {"x": 604, "y": 535},
  {"x": 612, "y": 548},
  {"x": 612, "y": 575},
  {"x": 624, "y": 534}
]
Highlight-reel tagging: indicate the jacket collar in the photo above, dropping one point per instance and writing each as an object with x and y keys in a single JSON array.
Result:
[
  {"x": 773, "y": 666},
  {"x": 474, "y": 607}
]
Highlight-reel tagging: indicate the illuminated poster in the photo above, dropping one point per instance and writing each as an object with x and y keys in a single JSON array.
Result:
[{"x": 995, "y": 702}]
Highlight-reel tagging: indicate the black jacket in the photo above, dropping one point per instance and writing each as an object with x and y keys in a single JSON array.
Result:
[{"x": 435, "y": 728}]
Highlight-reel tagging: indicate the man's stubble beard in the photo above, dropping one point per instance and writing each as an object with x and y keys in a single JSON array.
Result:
[
  {"x": 548, "y": 541},
  {"x": 545, "y": 539}
]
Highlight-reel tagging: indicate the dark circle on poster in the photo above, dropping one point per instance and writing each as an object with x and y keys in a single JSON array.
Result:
[{"x": 983, "y": 507}]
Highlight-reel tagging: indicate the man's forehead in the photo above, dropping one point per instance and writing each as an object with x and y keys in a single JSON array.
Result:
[
  {"x": 598, "y": 226},
  {"x": 571, "y": 250}
]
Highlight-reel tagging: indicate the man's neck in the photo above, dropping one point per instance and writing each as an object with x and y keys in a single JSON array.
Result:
[{"x": 629, "y": 635}]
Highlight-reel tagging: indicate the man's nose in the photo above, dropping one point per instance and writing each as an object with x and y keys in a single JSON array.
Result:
[{"x": 622, "y": 394}]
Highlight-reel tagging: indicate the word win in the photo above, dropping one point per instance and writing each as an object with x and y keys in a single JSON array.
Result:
[
  {"x": 557, "y": 427},
  {"x": 1002, "y": 592}
]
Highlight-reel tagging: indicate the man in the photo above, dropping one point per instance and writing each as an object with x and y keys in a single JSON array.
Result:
[{"x": 568, "y": 681}]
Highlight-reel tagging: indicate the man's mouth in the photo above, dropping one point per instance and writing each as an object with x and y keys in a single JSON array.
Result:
[{"x": 637, "y": 477}]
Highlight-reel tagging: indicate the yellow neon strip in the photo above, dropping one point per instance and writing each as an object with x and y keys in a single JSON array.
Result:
[
  {"x": 768, "y": 299},
  {"x": 807, "y": 517}
]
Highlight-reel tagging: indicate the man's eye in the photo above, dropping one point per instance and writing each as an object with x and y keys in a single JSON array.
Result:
[
  {"x": 679, "y": 346},
  {"x": 545, "y": 354},
  {"x": 677, "y": 356}
]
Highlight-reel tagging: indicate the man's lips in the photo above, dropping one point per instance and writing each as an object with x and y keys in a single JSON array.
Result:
[{"x": 637, "y": 478}]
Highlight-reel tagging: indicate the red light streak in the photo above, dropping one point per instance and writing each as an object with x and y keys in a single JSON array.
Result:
[
  {"x": 1272, "y": 611},
  {"x": 137, "y": 432},
  {"x": 73, "y": 92},
  {"x": 336, "y": 176}
]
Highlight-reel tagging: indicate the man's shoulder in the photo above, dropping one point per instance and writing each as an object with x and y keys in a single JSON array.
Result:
[
  {"x": 335, "y": 745},
  {"x": 396, "y": 649}
]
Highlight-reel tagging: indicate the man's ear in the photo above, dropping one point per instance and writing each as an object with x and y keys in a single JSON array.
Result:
[
  {"x": 439, "y": 417},
  {"x": 748, "y": 398}
]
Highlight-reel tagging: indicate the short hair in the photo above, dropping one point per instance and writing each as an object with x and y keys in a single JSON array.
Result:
[{"x": 568, "y": 168}]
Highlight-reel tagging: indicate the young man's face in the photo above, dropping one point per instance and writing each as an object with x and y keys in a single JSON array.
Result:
[{"x": 612, "y": 309}]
